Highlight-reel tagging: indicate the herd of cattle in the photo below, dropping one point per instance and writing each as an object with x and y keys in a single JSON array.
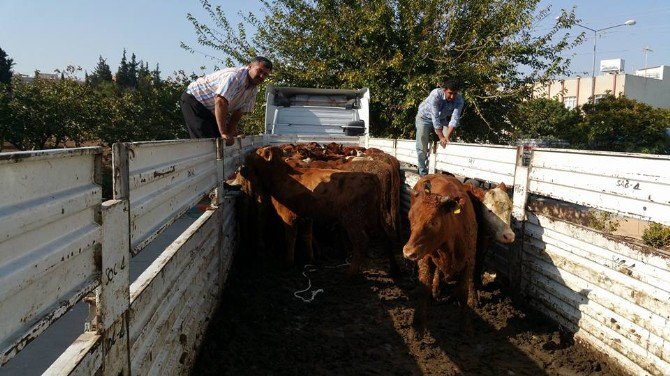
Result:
[{"x": 358, "y": 189}]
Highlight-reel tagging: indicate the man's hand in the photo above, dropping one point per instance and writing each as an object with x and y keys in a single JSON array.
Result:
[
  {"x": 443, "y": 142},
  {"x": 227, "y": 139}
]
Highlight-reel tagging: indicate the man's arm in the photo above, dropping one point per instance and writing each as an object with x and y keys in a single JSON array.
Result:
[
  {"x": 450, "y": 130},
  {"x": 221, "y": 114},
  {"x": 435, "y": 116},
  {"x": 234, "y": 119},
  {"x": 455, "y": 118}
]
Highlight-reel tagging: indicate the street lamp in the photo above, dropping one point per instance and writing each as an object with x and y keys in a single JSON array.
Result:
[{"x": 595, "y": 39}]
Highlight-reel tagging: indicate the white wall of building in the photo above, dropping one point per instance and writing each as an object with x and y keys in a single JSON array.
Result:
[{"x": 577, "y": 91}]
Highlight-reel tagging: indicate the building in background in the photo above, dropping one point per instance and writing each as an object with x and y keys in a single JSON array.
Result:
[{"x": 649, "y": 85}]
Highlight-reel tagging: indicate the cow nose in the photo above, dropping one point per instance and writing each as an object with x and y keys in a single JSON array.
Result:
[
  {"x": 409, "y": 253},
  {"x": 508, "y": 237}
]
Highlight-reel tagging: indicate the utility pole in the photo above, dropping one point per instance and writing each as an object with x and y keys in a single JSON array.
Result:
[{"x": 646, "y": 51}]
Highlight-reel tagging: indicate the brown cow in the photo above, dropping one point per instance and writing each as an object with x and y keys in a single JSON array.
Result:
[
  {"x": 348, "y": 198},
  {"x": 385, "y": 167},
  {"x": 443, "y": 237}
]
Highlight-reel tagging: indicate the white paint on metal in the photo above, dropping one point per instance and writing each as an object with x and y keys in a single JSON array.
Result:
[
  {"x": 637, "y": 186},
  {"x": 302, "y": 138},
  {"x": 49, "y": 231},
  {"x": 112, "y": 297},
  {"x": 83, "y": 357},
  {"x": 165, "y": 179},
  {"x": 385, "y": 144},
  {"x": 486, "y": 162},
  {"x": 617, "y": 294},
  {"x": 406, "y": 151}
]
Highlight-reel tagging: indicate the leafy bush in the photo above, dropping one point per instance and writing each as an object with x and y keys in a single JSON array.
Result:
[
  {"x": 656, "y": 235},
  {"x": 602, "y": 221}
]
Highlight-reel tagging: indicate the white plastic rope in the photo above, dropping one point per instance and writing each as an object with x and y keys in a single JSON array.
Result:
[{"x": 308, "y": 268}]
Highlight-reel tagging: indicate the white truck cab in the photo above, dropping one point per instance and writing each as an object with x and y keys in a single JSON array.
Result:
[{"x": 309, "y": 111}]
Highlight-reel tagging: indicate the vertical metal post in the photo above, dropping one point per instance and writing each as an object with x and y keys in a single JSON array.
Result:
[
  {"x": 220, "y": 174},
  {"x": 593, "y": 68},
  {"x": 432, "y": 158},
  {"x": 519, "y": 200},
  {"x": 113, "y": 295}
]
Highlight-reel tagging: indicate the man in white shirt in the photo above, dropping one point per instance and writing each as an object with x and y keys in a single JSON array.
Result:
[{"x": 213, "y": 105}]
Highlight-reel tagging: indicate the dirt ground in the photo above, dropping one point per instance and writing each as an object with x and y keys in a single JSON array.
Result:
[{"x": 365, "y": 327}]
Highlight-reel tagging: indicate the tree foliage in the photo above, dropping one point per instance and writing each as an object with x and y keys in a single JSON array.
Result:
[
  {"x": 401, "y": 49},
  {"x": 544, "y": 118},
  {"x": 48, "y": 113},
  {"x": 101, "y": 73},
  {"x": 5, "y": 68},
  {"x": 622, "y": 124}
]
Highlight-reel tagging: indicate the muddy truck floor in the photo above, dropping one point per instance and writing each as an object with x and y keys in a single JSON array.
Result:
[{"x": 365, "y": 326}]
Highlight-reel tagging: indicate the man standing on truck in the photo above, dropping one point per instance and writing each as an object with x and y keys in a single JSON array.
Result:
[
  {"x": 442, "y": 108},
  {"x": 213, "y": 105}
]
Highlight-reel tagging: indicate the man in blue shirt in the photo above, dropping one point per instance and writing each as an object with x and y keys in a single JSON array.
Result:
[{"x": 442, "y": 108}]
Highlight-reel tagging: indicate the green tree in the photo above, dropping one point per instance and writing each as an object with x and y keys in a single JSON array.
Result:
[
  {"x": 144, "y": 78},
  {"x": 5, "y": 68},
  {"x": 46, "y": 113},
  {"x": 133, "y": 70},
  {"x": 101, "y": 73},
  {"x": 545, "y": 118},
  {"x": 401, "y": 50},
  {"x": 156, "y": 76},
  {"x": 123, "y": 72},
  {"x": 625, "y": 125}
]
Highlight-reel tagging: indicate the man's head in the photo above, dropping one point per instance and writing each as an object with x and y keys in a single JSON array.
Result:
[
  {"x": 259, "y": 68},
  {"x": 451, "y": 88}
]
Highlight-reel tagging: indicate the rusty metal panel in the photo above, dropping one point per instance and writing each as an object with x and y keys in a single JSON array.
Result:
[
  {"x": 494, "y": 163},
  {"x": 636, "y": 185},
  {"x": 165, "y": 179},
  {"x": 617, "y": 297},
  {"x": 49, "y": 231}
]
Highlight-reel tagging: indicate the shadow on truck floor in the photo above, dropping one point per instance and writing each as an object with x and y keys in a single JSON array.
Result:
[{"x": 365, "y": 328}]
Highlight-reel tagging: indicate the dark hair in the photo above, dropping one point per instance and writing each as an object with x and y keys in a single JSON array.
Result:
[
  {"x": 450, "y": 84},
  {"x": 262, "y": 60}
]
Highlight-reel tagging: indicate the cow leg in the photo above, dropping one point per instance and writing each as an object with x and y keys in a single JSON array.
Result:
[
  {"x": 466, "y": 292},
  {"x": 480, "y": 255},
  {"x": 426, "y": 275},
  {"x": 467, "y": 296},
  {"x": 308, "y": 238},
  {"x": 291, "y": 231},
  {"x": 359, "y": 244},
  {"x": 436, "y": 284}
]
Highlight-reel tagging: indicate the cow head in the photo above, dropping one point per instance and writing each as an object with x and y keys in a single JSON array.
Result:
[
  {"x": 429, "y": 217},
  {"x": 496, "y": 212}
]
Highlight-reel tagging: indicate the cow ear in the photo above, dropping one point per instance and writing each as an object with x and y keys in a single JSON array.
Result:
[
  {"x": 413, "y": 192},
  {"x": 267, "y": 154},
  {"x": 502, "y": 186}
]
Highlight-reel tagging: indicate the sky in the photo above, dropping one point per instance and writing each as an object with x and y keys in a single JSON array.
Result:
[{"x": 48, "y": 35}]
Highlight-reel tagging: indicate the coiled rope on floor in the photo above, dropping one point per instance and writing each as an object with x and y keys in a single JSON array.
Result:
[{"x": 309, "y": 268}]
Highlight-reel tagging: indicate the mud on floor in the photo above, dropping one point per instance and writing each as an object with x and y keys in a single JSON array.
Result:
[{"x": 364, "y": 327}]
